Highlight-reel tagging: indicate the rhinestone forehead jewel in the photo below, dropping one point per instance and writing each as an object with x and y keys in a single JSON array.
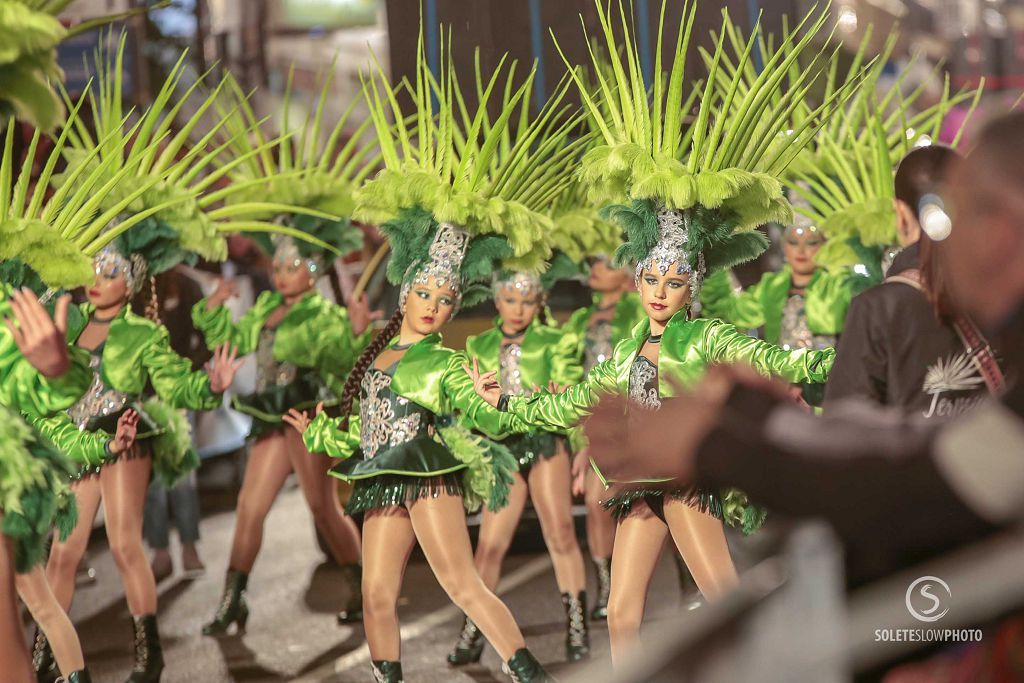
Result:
[
  {"x": 444, "y": 261},
  {"x": 110, "y": 260},
  {"x": 527, "y": 284},
  {"x": 286, "y": 250}
]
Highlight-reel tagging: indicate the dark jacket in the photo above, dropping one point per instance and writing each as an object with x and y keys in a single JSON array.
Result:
[{"x": 894, "y": 351}]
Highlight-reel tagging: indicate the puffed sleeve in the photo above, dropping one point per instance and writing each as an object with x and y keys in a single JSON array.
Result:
[
  {"x": 216, "y": 327},
  {"x": 85, "y": 447},
  {"x": 460, "y": 396},
  {"x": 24, "y": 388},
  {"x": 742, "y": 308},
  {"x": 566, "y": 366},
  {"x": 723, "y": 343},
  {"x": 172, "y": 376},
  {"x": 562, "y": 411},
  {"x": 337, "y": 345},
  {"x": 324, "y": 436}
]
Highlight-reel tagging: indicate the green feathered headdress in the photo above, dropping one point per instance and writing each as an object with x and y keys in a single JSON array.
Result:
[
  {"x": 460, "y": 192},
  {"x": 49, "y": 236},
  {"x": 165, "y": 173},
  {"x": 305, "y": 171},
  {"x": 722, "y": 174}
]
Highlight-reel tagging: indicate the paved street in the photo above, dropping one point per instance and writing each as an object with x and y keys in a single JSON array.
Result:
[{"x": 293, "y": 596}]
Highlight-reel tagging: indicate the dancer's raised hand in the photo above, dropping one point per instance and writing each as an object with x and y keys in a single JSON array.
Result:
[
  {"x": 223, "y": 367},
  {"x": 40, "y": 339},
  {"x": 484, "y": 384},
  {"x": 127, "y": 430}
]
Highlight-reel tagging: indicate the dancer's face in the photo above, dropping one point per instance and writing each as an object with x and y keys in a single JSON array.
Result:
[
  {"x": 292, "y": 277},
  {"x": 109, "y": 289},
  {"x": 664, "y": 295},
  {"x": 800, "y": 246},
  {"x": 517, "y": 310},
  {"x": 428, "y": 307},
  {"x": 605, "y": 279}
]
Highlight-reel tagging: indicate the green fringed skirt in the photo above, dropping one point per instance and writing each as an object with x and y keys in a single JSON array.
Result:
[
  {"x": 526, "y": 448},
  {"x": 43, "y": 505},
  {"x": 421, "y": 468},
  {"x": 731, "y": 506},
  {"x": 267, "y": 407}
]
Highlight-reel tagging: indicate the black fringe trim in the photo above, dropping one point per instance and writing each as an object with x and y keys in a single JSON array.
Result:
[
  {"x": 137, "y": 451},
  {"x": 703, "y": 500},
  {"x": 391, "y": 490}
]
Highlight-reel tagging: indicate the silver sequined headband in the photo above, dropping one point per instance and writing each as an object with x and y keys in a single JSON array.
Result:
[
  {"x": 111, "y": 262},
  {"x": 286, "y": 250},
  {"x": 444, "y": 261},
  {"x": 673, "y": 237},
  {"x": 526, "y": 284}
]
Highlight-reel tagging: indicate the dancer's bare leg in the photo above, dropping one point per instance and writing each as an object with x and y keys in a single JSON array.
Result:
[
  {"x": 321, "y": 494},
  {"x": 440, "y": 526},
  {"x": 66, "y": 555},
  {"x": 550, "y": 484},
  {"x": 638, "y": 543},
  {"x": 14, "y": 658},
  {"x": 700, "y": 538},
  {"x": 496, "y": 532},
  {"x": 266, "y": 470},
  {"x": 51, "y": 618},
  {"x": 124, "y": 484},
  {"x": 388, "y": 540}
]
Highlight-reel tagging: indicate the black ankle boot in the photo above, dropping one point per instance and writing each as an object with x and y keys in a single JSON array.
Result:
[
  {"x": 352, "y": 574},
  {"x": 232, "y": 609},
  {"x": 524, "y": 668},
  {"x": 469, "y": 646},
  {"x": 577, "y": 637},
  {"x": 149, "y": 655},
  {"x": 603, "y": 568},
  {"x": 80, "y": 676},
  {"x": 43, "y": 662},
  {"x": 386, "y": 672}
]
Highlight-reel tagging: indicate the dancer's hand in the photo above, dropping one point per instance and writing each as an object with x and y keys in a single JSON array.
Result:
[
  {"x": 556, "y": 388},
  {"x": 580, "y": 463},
  {"x": 484, "y": 384},
  {"x": 127, "y": 429},
  {"x": 300, "y": 420},
  {"x": 41, "y": 339},
  {"x": 360, "y": 314},
  {"x": 223, "y": 367},
  {"x": 226, "y": 288}
]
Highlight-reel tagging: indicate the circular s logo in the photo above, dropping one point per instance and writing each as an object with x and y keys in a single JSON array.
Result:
[{"x": 925, "y": 598}]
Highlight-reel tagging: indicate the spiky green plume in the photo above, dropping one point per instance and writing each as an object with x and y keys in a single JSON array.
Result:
[
  {"x": 305, "y": 171},
  {"x": 164, "y": 171},
  {"x": 495, "y": 178},
  {"x": 723, "y": 167},
  {"x": 55, "y": 234}
]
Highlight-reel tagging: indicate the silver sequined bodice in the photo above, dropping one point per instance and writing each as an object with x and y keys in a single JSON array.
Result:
[
  {"x": 388, "y": 420},
  {"x": 643, "y": 383},
  {"x": 794, "y": 332},
  {"x": 100, "y": 400},
  {"x": 270, "y": 373},
  {"x": 510, "y": 375},
  {"x": 597, "y": 345}
]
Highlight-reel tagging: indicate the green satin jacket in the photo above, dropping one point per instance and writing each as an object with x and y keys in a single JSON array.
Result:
[
  {"x": 628, "y": 312},
  {"x": 21, "y": 385},
  {"x": 432, "y": 376},
  {"x": 315, "y": 333},
  {"x": 549, "y": 354},
  {"x": 828, "y": 296},
  {"x": 137, "y": 354},
  {"x": 688, "y": 347}
]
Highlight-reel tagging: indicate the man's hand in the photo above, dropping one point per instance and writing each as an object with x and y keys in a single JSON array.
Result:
[
  {"x": 484, "y": 384},
  {"x": 630, "y": 443},
  {"x": 42, "y": 340},
  {"x": 360, "y": 314},
  {"x": 127, "y": 428},
  {"x": 223, "y": 367}
]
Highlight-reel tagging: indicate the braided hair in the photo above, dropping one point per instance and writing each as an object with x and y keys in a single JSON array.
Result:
[
  {"x": 363, "y": 363},
  {"x": 145, "y": 302}
]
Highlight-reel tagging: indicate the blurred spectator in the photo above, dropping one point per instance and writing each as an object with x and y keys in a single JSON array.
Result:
[{"x": 176, "y": 293}]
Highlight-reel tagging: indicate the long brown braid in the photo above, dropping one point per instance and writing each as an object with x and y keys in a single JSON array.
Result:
[{"x": 363, "y": 363}]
